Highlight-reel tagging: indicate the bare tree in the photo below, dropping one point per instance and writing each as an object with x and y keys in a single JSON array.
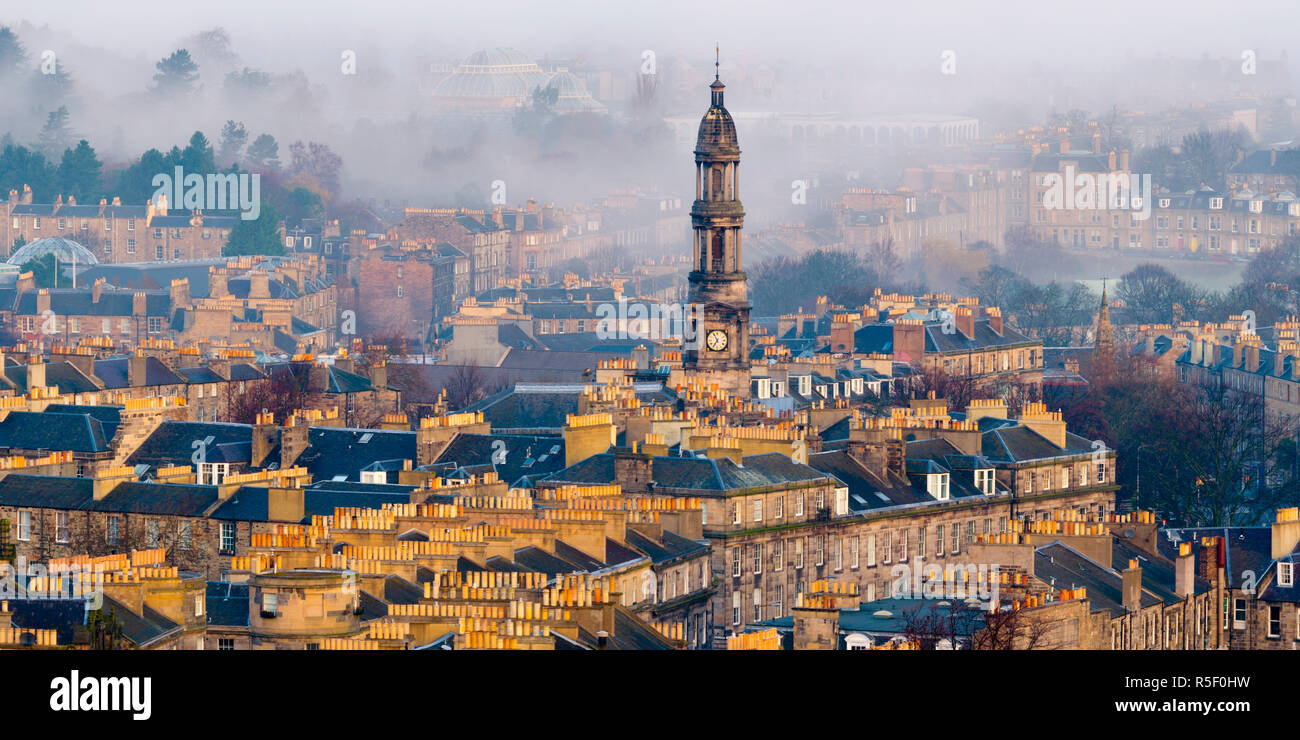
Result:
[
  {"x": 1012, "y": 629},
  {"x": 283, "y": 394},
  {"x": 959, "y": 389},
  {"x": 883, "y": 259},
  {"x": 929, "y": 625},
  {"x": 465, "y": 386}
]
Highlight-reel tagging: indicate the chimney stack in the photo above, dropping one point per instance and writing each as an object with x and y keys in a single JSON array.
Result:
[
  {"x": 35, "y": 372},
  {"x": 1132, "y": 586},
  {"x": 1185, "y": 571},
  {"x": 293, "y": 440},
  {"x": 265, "y": 435},
  {"x": 1286, "y": 532},
  {"x": 137, "y": 369}
]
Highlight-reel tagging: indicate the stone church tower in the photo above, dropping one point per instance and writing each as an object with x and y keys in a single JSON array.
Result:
[
  {"x": 1103, "y": 348},
  {"x": 719, "y": 350}
]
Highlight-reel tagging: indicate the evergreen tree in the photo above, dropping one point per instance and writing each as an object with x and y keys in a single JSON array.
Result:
[
  {"x": 21, "y": 166},
  {"x": 44, "y": 270},
  {"x": 257, "y": 236},
  {"x": 51, "y": 87},
  {"x": 56, "y": 135},
  {"x": 13, "y": 57},
  {"x": 302, "y": 203},
  {"x": 234, "y": 137},
  {"x": 135, "y": 183},
  {"x": 197, "y": 157},
  {"x": 79, "y": 173},
  {"x": 263, "y": 153},
  {"x": 177, "y": 75}
]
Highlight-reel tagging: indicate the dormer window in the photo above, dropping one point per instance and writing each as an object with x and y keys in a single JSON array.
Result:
[
  {"x": 1216, "y": 203},
  {"x": 984, "y": 480},
  {"x": 937, "y": 485},
  {"x": 1286, "y": 575}
]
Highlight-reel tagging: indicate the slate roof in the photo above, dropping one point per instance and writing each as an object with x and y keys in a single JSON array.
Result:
[
  {"x": 341, "y": 451},
  {"x": 1261, "y": 162},
  {"x": 880, "y": 338},
  {"x": 45, "y": 491},
  {"x": 698, "y": 473},
  {"x": 107, "y": 415},
  {"x": 590, "y": 342},
  {"x": 172, "y": 443},
  {"x": 338, "y": 380},
  {"x": 398, "y": 590},
  {"x": 1248, "y": 548},
  {"x": 28, "y": 430},
  {"x": 510, "y": 335},
  {"x": 200, "y": 374},
  {"x": 513, "y": 456},
  {"x": 1158, "y": 572},
  {"x": 80, "y": 302},
  {"x": 868, "y": 491},
  {"x": 1064, "y": 567},
  {"x": 141, "y": 629},
  {"x": 324, "y": 502},
  {"x": 227, "y": 604},
  {"x": 115, "y": 372},
  {"x": 154, "y": 275},
  {"x": 539, "y": 561},
  {"x": 63, "y": 615},
  {"x": 630, "y": 633},
  {"x": 1012, "y": 444},
  {"x": 669, "y": 547},
  {"x": 539, "y": 409},
  {"x": 63, "y": 375},
  {"x": 1275, "y": 591},
  {"x": 164, "y": 499}
]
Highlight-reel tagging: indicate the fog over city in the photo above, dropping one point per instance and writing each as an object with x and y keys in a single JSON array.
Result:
[{"x": 1015, "y": 63}]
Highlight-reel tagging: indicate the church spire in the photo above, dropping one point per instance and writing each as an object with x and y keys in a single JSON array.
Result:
[
  {"x": 717, "y": 87},
  {"x": 1103, "y": 348}
]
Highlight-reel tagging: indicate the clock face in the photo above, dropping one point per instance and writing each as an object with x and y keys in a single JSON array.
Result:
[{"x": 717, "y": 340}]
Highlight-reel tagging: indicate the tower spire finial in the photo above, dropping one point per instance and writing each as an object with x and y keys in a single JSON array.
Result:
[{"x": 717, "y": 61}]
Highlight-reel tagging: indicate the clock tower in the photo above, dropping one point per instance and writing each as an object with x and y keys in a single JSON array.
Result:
[{"x": 718, "y": 350}]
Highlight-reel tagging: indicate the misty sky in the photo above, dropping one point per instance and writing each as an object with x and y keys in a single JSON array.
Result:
[
  {"x": 293, "y": 32},
  {"x": 1017, "y": 63}
]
